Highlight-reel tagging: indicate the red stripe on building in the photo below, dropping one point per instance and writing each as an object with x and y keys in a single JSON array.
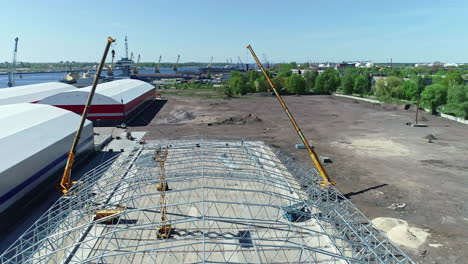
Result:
[{"x": 114, "y": 111}]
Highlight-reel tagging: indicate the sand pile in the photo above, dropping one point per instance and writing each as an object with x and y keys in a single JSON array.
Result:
[
  {"x": 238, "y": 120},
  {"x": 178, "y": 116},
  {"x": 399, "y": 232}
]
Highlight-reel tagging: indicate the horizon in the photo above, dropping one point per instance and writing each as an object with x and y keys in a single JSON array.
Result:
[{"x": 283, "y": 32}]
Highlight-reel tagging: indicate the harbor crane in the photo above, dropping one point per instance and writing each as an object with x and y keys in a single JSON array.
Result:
[
  {"x": 156, "y": 70},
  {"x": 11, "y": 74},
  {"x": 176, "y": 65},
  {"x": 325, "y": 183},
  {"x": 210, "y": 63},
  {"x": 66, "y": 183},
  {"x": 135, "y": 68},
  {"x": 111, "y": 66}
]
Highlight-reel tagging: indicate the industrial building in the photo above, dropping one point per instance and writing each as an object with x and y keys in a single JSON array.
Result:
[
  {"x": 116, "y": 100},
  {"x": 202, "y": 200},
  {"x": 32, "y": 93},
  {"x": 35, "y": 140}
]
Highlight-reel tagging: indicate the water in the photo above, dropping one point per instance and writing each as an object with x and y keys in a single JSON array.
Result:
[{"x": 33, "y": 78}]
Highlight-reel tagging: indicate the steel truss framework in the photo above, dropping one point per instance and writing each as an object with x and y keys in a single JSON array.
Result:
[{"x": 227, "y": 201}]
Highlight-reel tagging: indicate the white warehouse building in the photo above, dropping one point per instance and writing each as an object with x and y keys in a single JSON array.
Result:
[
  {"x": 32, "y": 93},
  {"x": 34, "y": 143}
]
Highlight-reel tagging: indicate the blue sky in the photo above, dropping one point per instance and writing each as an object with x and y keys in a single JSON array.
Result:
[{"x": 314, "y": 30}]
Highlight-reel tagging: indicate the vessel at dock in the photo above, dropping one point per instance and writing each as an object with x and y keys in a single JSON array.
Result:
[{"x": 125, "y": 64}]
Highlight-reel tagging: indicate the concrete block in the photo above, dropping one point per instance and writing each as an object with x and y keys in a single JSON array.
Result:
[
  {"x": 324, "y": 159},
  {"x": 302, "y": 146}
]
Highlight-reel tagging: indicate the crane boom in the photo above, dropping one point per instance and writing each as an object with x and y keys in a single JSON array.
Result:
[
  {"x": 65, "y": 183},
  {"x": 11, "y": 74},
  {"x": 325, "y": 180}
]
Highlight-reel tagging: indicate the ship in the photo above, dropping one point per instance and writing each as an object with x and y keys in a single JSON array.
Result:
[{"x": 125, "y": 64}]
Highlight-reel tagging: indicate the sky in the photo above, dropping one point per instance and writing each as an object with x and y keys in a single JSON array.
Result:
[{"x": 281, "y": 31}]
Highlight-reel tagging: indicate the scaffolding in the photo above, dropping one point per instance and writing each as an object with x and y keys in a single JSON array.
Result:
[{"x": 229, "y": 201}]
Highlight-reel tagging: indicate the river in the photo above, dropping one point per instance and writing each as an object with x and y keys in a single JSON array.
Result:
[{"x": 33, "y": 78}]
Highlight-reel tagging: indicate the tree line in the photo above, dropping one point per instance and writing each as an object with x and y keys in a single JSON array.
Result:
[{"x": 435, "y": 88}]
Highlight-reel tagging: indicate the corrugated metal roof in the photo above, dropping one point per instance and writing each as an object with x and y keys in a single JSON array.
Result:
[
  {"x": 29, "y": 128},
  {"x": 32, "y": 93},
  {"x": 115, "y": 92}
]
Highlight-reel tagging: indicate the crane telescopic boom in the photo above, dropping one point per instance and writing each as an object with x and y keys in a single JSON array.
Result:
[
  {"x": 313, "y": 156},
  {"x": 66, "y": 183},
  {"x": 11, "y": 74}
]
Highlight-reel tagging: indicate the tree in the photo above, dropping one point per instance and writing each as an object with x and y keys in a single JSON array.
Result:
[
  {"x": 434, "y": 96},
  {"x": 296, "y": 84},
  {"x": 453, "y": 78},
  {"x": 252, "y": 76},
  {"x": 327, "y": 82},
  {"x": 464, "y": 109},
  {"x": 456, "y": 94},
  {"x": 386, "y": 87},
  {"x": 238, "y": 84},
  {"x": 310, "y": 77},
  {"x": 361, "y": 85},
  {"x": 347, "y": 83}
]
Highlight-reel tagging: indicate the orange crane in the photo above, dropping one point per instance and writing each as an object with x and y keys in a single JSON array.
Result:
[
  {"x": 313, "y": 156},
  {"x": 176, "y": 65},
  {"x": 66, "y": 183}
]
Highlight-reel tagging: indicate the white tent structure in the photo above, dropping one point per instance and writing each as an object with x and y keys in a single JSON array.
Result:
[
  {"x": 32, "y": 93},
  {"x": 112, "y": 100},
  {"x": 34, "y": 142}
]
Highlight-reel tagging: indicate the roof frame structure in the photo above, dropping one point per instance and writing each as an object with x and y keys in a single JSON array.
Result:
[{"x": 228, "y": 202}]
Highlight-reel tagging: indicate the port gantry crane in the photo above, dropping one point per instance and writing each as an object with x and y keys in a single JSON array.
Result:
[
  {"x": 176, "y": 65},
  {"x": 325, "y": 183},
  {"x": 11, "y": 74},
  {"x": 135, "y": 68},
  {"x": 156, "y": 70}
]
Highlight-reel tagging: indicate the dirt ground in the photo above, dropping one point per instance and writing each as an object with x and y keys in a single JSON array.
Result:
[{"x": 377, "y": 160}]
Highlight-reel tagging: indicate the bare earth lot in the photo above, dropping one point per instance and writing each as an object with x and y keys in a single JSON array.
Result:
[{"x": 377, "y": 159}]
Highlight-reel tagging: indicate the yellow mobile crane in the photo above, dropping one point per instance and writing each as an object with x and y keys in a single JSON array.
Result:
[
  {"x": 313, "y": 156},
  {"x": 66, "y": 183}
]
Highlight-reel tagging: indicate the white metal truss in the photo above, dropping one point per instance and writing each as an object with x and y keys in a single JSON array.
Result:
[{"x": 229, "y": 201}]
